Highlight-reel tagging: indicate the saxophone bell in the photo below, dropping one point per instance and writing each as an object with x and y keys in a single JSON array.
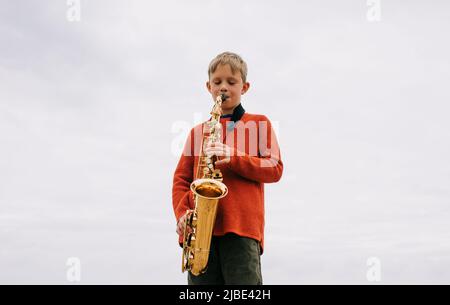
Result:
[{"x": 196, "y": 244}]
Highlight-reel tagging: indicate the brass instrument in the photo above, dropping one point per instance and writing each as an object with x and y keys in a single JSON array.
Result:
[{"x": 207, "y": 189}]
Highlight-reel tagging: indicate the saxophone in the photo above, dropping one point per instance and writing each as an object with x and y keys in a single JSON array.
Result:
[{"x": 207, "y": 189}]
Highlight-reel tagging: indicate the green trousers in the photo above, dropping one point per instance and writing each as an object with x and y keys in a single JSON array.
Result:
[{"x": 233, "y": 260}]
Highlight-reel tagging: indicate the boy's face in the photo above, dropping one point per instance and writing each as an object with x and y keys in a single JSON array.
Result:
[{"x": 224, "y": 81}]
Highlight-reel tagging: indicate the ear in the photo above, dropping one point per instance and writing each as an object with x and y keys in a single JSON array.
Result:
[
  {"x": 208, "y": 86},
  {"x": 245, "y": 88}
]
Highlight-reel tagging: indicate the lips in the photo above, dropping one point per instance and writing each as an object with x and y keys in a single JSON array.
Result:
[{"x": 225, "y": 97}]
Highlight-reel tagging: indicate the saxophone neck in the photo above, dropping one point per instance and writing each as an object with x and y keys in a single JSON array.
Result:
[{"x": 216, "y": 111}]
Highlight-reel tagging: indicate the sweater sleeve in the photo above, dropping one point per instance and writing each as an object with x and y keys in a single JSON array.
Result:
[
  {"x": 267, "y": 167},
  {"x": 182, "y": 178}
]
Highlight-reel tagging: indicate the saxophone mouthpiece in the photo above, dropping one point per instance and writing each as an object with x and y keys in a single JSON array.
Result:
[{"x": 224, "y": 97}]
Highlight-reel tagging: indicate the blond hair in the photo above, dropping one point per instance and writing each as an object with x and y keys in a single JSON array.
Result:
[{"x": 228, "y": 58}]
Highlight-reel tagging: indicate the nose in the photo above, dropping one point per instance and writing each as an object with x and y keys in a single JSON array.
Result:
[{"x": 223, "y": 89}]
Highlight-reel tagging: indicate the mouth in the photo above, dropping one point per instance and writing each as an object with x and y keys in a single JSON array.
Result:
[{"x": 224, "y": 97}]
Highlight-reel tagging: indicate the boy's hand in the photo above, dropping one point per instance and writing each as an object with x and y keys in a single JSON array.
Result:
[
  {"x": 220, "y": 150},
  {"x": 180, "y": 225}
]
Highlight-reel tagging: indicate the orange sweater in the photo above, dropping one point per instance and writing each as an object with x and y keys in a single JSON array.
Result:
[{"x": 256, "y": 160}]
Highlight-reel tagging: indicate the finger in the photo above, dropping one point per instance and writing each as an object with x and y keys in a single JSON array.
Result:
[
  {"x": 211, "y": 145},
  {"x": 180, "y": 228},
  {"x": 215, "y": 153},
  {"x": 224, "y": 161},
  {"x": 215, "y": 150},
  {"x": 217, "y": 145}
]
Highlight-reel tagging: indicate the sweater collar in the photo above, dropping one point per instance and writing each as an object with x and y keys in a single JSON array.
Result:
[{"x": 238, "y": 112}]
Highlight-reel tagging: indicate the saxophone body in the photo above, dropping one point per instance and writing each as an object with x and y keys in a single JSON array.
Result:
[{"x": 207, "y": 188}]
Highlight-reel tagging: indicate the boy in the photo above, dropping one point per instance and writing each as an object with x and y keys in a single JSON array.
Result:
[{"x": 248, "y": 157}]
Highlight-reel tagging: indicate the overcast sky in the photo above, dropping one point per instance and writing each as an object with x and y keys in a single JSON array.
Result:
[{"x": 92, "y": 114}]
